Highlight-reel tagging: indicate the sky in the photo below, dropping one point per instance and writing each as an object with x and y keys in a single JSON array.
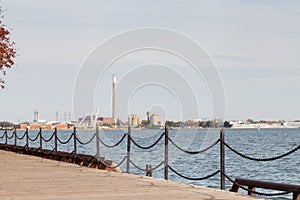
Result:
[{"x": 253, "y": 44}]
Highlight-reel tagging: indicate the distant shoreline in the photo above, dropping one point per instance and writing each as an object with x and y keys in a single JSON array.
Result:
[{"x": 173, "y": 128}]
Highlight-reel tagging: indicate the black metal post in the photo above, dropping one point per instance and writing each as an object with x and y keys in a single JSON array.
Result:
[
  {"x": 15, "y": 133},
  {"x": 55, "y": 140},
  {"x": 41, "y": 139},
  {"x": 98, "y": 143},
  {"x": 166, "y": 153},
  {"x": 148, "y": 170},
  {"x": 27, "y": 140},
  {"x": 222, "y": 158},
  {"x": 128, "y": 149},
  {"x": 296, "y": 196},
  {"x": 5, "y": 137},
  {"x": 75, "y": 145}
]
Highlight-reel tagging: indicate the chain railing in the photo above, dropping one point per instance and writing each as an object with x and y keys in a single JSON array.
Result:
[
  {"x": 262, "y": 159},
  {"x": 250, "y": 190},
  {"x": 115, "y": 145},
  {"x": 147, "y": 147},
  {"x": 88, "y": 159}
]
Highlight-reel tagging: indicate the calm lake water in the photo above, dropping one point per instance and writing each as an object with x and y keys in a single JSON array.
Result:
[{"x": 255, "y": 143}]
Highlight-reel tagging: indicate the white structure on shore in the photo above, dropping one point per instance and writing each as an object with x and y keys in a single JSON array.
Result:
[
  {"x": 156, "y": 120},
  {"x": 248, "y": 125},
  {"x": 134, "y": 120}
]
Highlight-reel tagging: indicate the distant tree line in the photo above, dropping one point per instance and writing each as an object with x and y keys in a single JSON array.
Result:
[
  {"x": 173, "y": 124},
  {"x": 203, "y": 124},
  {"x": 251, "y": 121},
  {"x": 211, "y": 124},
  {"x": 6, "y": 124}
]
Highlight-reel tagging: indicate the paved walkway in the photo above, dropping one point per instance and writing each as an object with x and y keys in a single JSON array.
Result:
[{"x": 28, "y": 177}]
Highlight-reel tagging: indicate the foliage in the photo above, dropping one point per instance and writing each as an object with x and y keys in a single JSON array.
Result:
[
  {"x": 106, "y": 124},
  {"x": 211, "y": 124},
  {"x": 173, "y": 124},
  {"x": 6, "y": 124},
  {"x": 144, "y": 122},
  {"x": 251, "y": 121},
  {"x": 26, "y": 122},
  {"x": 7, "y": 49},
  {"x": 191, "y": 123}
]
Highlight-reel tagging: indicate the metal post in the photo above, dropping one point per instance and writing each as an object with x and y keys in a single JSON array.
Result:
[
  {"x": 15, "y": 133},
  {"x": 6, "y": 137},
  {"x": 222, "y": 158},
  {"x": 128, "y": 149},
  {"x": 27, "y": 140},
  {"x": 55, "y": 140},
  {"x": 296, "y": 196},
  {"x": 41, "y": 139},
  {"x": 251, "y": 188},
  {"x": 75, "y": 145},
  {"x": 98, "y": 144},
  {"x": 166, "y": 153},
  {"x": 149, "y": 170}
]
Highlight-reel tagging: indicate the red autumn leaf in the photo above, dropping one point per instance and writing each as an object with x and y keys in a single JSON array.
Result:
[{"x": 7, "y": 50}]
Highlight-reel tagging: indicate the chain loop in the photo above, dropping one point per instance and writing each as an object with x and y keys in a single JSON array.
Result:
[
  {"x": 194, "y": 152},
  {"x": 32, "y": 140},
  {"x": 48, "y": 140},
  {"x": 2, "y": 135},
  {"x": 115, "y": 145},
  {"x": 193, "y": 179},
  {"x": 261, "y": 159},
  {"x": 11, "y": 136},
  {"x": 85, "y": 143},
  {"x": 67, "y": 141},
  {"x": 21, "y": 138},
  {"x": 147, "y": 147}
]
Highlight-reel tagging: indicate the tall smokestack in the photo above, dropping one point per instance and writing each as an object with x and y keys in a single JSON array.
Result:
[{"x": 114, "y": 98}]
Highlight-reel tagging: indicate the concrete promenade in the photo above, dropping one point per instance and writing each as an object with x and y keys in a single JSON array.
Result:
[{"x": 29, "y": 177}]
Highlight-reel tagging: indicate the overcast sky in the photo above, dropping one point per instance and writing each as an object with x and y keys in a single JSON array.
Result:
[{"x": 254, "y": 44}]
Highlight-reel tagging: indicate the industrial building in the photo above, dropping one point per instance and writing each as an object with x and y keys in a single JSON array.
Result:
[
  {"x": 134, "y": 120},
  {"x": 156, "y": 120}
]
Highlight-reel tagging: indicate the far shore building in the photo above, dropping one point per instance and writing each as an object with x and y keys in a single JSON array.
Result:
[
  {"x": 89, "y": 121},
  {"x": 105, "y": 121},
  {"x": 134, "y": 120},
  {"x": 156, "y": 120}
]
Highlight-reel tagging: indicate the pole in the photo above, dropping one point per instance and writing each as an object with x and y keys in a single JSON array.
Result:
[
  {"x": 296, "y": 196},
  {"x": 41, "y": 139},
  {"x": 98, "y": 144},
  {"x": 222, "y": 158},
  {"x": 128, "y": 149},
  {"x": 166, "y": 153},
  {"x": 27, "y": 140},
  {"x": 75, "y": 145},
  {"x": 55, "y": 140},
  {"x": 15, "y": 133},
  {"x": 148, "y": 170},
  {"x": 6, "y": 137}
]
